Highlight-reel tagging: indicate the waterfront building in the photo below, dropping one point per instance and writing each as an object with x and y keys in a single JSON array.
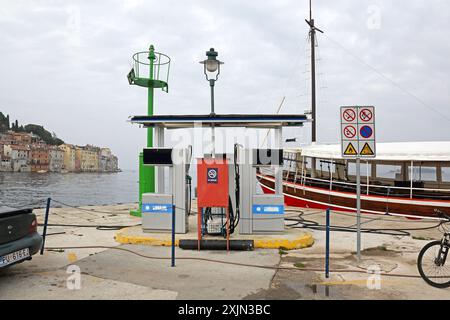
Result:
[
  {"x": 40, "y": 158},
  {"x": 19, "y": 156},
  {"x": 5, "y": 164},
  {"x": 22, "y": 138},
  {"x": 69, "y": 157},
  {"x": 7, "y": 138},
  {"x": 88, "y": 157},
  {"x": 5, "y": 161},
  {"x": 56, "y": 159},
  {"x": 78, "y": 152},
  {"x": 113, "y": 164}
]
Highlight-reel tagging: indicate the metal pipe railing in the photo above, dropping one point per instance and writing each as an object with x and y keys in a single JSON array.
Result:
[{"x": 304, "y": 178}]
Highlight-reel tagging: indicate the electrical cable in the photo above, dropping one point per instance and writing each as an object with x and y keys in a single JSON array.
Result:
[
  {"x": 301, "y": 223},
  {"x": 229, "y": 262},
  {"x": 98, "y": 227}
]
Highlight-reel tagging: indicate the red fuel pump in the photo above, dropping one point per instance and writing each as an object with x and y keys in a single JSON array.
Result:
[{"x": 212, "y": 193}]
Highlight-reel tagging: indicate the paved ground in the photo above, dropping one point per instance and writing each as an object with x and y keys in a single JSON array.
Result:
[{"x": 114, "y": 274}]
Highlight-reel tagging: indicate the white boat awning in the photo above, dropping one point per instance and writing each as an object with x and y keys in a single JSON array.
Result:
[{"x": 393, "y": 151}]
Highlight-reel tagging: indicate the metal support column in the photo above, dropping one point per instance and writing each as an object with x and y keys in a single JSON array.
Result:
[
  {"x": 159, "y": 143},
  {"x": 358, "y": 207},
  {"x": 278, "y": 170}
]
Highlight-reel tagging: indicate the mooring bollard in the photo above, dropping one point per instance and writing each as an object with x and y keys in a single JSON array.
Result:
[
  {"x": 173, "y": 236},
  {"x": 327, "y": 246},
  {"x": 44, "y": 233}
]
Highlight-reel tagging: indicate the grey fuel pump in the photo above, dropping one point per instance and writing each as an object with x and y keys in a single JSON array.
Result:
[
  {"x": 260, "y": 213},
  {"x": 157, "y": 207}
]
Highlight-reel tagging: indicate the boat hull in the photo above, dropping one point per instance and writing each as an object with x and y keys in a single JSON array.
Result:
[{"x": 297, "y": 195}]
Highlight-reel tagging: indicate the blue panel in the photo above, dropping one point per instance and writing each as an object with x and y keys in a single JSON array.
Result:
[
  {"x": 267, "y": 209},
  {"x": 157, "y": 208}
]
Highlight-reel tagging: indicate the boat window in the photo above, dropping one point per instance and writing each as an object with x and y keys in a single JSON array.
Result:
[
  {"x": 388, "y": 171},
  {"x": 423, "y": 173},
  {"x": 326, "y": 166},
  {"x": 364, "y": 167},
  {"x": 446, "y": 174},
  {"x": 308, "y": 162}
]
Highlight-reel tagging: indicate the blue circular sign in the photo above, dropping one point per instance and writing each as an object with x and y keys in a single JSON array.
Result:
[{"x": 366, "y": 132}]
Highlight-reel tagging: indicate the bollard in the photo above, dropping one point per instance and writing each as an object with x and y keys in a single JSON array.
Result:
[
  {"x": 327, "y": 245},
  {"x": 173, "y": 237},
  {"x": 44, "y": 234}
]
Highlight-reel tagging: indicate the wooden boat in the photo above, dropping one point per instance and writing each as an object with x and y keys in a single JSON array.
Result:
[{"x": 409, "y": 179}]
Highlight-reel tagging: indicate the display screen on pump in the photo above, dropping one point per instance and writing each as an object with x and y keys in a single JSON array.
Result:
[{"x": 155, "y": 156}]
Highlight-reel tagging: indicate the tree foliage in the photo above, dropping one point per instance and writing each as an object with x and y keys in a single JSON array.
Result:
[{"x": 46, "y": 136}]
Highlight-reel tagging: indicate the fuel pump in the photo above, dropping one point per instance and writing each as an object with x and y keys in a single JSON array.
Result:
[
  {"x": 218, "y": 194},
  {"x": 157, "y": 207},
  {"x": 260, "y": 213}
]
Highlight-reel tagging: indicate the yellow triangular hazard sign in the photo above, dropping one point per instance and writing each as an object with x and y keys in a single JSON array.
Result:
[
  {"x": 367, "y": 150},
  {"x": 350, "y": 151}
]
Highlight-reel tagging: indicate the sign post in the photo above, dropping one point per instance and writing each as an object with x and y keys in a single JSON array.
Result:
[{"x": 358, "y": 141}]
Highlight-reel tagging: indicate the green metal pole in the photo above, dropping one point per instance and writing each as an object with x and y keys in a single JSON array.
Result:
[
  {"x": 151, "y": 171},
  {"x": 147, "y": 174}
]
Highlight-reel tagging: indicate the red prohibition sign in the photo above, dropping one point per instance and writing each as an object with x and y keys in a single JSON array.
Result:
[
  {"x": 349, "y": 132},
  {"x": 366, "y": 115},
  {"x": 349, "y": 115}
]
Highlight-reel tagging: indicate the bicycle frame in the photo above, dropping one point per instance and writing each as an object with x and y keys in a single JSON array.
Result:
[{"x": 443, "y": 251}]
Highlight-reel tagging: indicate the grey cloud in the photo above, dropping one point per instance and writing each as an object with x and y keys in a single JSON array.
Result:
[{"x": 68, "y": 71}]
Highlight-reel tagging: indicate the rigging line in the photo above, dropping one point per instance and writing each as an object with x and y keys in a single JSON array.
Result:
[
  {"x": 288, "y": 82},
  {"x": 278, "y": 111},
  {"x": 412, "y": 95}
]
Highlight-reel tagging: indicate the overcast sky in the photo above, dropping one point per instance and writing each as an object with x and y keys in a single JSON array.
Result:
[{"x": 64, "y": 64}]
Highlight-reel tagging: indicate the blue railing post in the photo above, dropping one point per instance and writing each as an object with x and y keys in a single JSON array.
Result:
[
  {"x": 173, "y": 236},
  {"x": 327, "y": 245},
  {"x": 44, "y": 234}
]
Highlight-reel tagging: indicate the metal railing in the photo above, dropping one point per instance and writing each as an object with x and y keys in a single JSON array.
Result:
[{"x": 368, "y": 186}]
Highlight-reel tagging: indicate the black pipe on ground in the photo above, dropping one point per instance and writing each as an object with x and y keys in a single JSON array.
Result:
[{"x": 235, "y": 245}]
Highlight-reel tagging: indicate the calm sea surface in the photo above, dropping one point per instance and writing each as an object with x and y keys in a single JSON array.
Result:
[
  {"x": 79, "y": 189},
  {"x": 82, "y": 189}
]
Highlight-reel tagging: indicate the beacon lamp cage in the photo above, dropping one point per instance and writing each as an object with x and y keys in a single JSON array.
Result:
[{"x": 150, "y": 69}]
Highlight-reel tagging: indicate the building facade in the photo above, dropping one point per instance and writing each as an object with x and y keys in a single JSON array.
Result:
[
  {"x": 24, "y": 152},
  {"x": 56, "y": 159},
  {"x": 40, "y": 158},
  {"x": 69, "y": 157},
  {"x": 89, "y": 159}
]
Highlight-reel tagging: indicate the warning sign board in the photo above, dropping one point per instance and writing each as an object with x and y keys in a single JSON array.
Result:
[
  {"x": 367, "y": 149},
  {"x": 350, "y": 150},
  {"x": 358, "y": 132}
]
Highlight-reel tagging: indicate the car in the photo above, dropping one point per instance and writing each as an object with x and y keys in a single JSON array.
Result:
[{"x": 19, "y": 238}]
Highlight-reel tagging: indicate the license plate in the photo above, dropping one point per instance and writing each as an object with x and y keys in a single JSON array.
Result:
[{"x": 14, "y": 257}]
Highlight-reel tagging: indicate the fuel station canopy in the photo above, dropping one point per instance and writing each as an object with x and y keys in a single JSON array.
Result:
[{"x": 256, "y": 121}]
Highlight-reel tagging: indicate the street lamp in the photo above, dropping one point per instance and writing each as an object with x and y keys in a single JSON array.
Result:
[{"x": 211, "y": 68}]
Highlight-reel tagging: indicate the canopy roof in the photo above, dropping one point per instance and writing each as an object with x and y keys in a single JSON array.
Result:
[
  {"x": 395, "y": 151},
  {"x": 262, "y": 121}
]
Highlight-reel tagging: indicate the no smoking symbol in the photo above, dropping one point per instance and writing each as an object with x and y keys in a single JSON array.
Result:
[
  {"x": 349, "y": 115},
  {"x": 350, "y": 132},
  {"x": 212, "y": 173}
]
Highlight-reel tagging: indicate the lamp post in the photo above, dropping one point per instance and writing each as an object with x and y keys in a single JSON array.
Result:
[{"x": 211, "y": 68}]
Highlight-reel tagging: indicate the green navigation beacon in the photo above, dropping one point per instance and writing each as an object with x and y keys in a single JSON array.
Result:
[{"x": 150, "y": 70}]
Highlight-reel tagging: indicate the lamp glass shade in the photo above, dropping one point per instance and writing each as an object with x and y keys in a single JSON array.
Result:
[{"x": 212, "y": 65}]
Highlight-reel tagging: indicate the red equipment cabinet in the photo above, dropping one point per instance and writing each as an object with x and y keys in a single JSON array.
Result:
[
  {"x": 212, "y": 190},
  {"x": 212, "y": 183}
]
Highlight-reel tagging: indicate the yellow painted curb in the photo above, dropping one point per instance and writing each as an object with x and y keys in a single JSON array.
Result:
[
  {"x": 304, "y": 241},
  {"x": 122, "y": 238}
]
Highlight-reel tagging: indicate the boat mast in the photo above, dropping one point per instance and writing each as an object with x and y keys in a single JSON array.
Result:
[{"x": 312, "y": 36}]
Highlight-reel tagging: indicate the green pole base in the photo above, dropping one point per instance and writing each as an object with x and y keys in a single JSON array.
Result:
[{"x": 136, "y": 213}]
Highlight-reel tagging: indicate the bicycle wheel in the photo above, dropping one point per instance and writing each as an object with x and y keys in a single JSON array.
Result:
[{"x": 430, "y": 269}]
